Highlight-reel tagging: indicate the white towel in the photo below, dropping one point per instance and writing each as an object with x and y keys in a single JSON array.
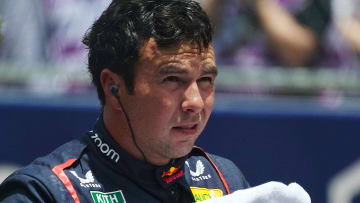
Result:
[{"x": 271, "y": 192}]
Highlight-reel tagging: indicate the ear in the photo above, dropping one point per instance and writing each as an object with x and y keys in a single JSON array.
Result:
[{"x": 107, "y": 79}]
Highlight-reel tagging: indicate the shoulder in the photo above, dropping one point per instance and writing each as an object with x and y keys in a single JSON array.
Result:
[
  {"x": 20, "y": 187},
  {"x": 36, "y": 181},
  {"x": 231, "y": 173},
  {"x": 221, "y": 160}
]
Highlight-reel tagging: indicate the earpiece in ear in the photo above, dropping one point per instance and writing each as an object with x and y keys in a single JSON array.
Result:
[{"x": 114, "y": 90}]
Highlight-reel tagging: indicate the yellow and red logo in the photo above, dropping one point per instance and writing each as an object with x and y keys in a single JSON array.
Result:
[
  {"x": 172, "y": 174},
  {"x": 201, "y": 194}
]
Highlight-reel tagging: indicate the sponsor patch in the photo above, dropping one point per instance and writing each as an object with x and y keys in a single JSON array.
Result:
[
  {"x": 105, "y": 149},
  {"x": 108, "y": 197},
  {"x": 198, "y": 175},
  {"x": 201, "y": 194},
  {"x": 172, "y": 174},
  {"x": 88, "y": 181}
]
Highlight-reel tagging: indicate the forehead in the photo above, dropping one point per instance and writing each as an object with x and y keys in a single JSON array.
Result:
[{"x": 185, "y": 53}]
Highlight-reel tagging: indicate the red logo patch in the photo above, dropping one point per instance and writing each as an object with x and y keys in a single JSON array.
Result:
[{"x": 172, "y": 174}]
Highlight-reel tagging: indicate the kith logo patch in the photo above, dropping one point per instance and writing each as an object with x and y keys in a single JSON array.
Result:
[
  {"x": 88, "y": 181},
  {"x": 108, "y": 197},
  {"x": 172, "y": 174},
  {"x": 198, "y": 174}
]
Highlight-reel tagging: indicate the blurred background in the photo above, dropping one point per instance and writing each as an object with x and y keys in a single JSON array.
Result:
[{"x": 287, "y": 96}]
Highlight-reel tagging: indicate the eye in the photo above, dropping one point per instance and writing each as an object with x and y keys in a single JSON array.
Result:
[
  {"x": 206, "y": 79},
  {"x": 171, "y": 79}
]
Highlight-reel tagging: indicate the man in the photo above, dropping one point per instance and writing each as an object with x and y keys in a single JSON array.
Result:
[{"x": 153, "y": 65}]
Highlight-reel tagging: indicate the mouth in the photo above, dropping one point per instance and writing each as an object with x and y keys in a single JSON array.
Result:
[{"x": 187, "y": 129}]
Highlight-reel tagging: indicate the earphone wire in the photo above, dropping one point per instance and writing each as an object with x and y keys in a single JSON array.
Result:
[{"x": 130, "y": 127}]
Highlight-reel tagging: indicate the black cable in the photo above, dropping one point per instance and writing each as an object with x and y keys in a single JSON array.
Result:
[{"x": 114, "y": 91}]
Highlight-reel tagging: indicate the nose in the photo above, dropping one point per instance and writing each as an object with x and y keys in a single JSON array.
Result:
[{"x": 193, "y": 102}]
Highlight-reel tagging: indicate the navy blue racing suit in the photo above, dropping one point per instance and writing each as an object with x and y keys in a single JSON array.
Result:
[{"x": 95, "y": 169}]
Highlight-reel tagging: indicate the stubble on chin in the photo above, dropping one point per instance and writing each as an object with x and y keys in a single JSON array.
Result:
[{"x": 176, "y": 150}]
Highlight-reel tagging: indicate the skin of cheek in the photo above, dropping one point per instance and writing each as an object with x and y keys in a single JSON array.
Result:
[
  {"x": 152, "y": 131},
  {"x": 163, "y": 141},
  {"x": 163, "y": 108},
  {"x": 165, "y": 113}
]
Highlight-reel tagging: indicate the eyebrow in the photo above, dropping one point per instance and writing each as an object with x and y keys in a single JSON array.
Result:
[
  {"x": 210, "y": 70},
  {"x": 173, "y": 69}
]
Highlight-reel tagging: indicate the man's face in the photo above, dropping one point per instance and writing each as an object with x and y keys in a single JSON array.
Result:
[{"x": 173, "y": 98}]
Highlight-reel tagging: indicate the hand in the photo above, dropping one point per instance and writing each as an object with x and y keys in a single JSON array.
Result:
[{"x": 271, "y": 192}]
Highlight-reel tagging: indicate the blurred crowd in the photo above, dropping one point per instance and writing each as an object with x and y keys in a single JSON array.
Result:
[
  {"x": 248, "y": 33},
  {"x": 287, "y": 33},
  {"x": 48, "y": 31}
]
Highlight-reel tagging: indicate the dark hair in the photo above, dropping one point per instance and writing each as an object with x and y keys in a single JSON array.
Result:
[{"x": 115, "y": 39}]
